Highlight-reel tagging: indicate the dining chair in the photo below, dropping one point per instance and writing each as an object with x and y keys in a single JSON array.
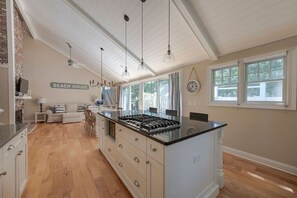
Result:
[
  {"x": 153, "y": 110},
  {"x": 171, "y": 112},
  {"x": 199, "y": 116}
]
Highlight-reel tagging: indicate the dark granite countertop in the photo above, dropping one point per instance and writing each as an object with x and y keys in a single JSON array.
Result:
[
  {"x": 188, "y": 128},
  {"x": 8, "y": 132}
]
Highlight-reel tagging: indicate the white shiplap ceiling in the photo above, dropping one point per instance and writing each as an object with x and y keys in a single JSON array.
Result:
[{"x": 201, "y": 30}]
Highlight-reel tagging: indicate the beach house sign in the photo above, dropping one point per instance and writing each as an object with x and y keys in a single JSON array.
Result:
[{"x": 60, "y": 85}]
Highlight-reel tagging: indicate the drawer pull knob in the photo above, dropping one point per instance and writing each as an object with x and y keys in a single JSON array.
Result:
[
  {"x": 120, "y": 164},
  {"x": 120, "y": 129},
  {"x": 10, "y": 147},
  {"x": 109, "y": 149},
  {"x": 20, "y": 153},
  {"x": 136, "y": 159},
  {"x": 136, "y": 139},
  {"x": 22, "y": 136},
  {"x": 3, "y": 173},
  {"x": 154, "y": 149},
  {"x": 136, "y": 183},
  {"x": 120, "y": 145},
  {"x": 147, "y": 162}
]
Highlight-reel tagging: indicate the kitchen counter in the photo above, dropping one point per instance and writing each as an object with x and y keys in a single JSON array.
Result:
[
  {"x": 8, "y": 132},
  {"x": 188, "y": 128}
]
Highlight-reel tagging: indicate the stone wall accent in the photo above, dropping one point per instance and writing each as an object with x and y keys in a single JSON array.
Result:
[
  {"x": 19, "y": 44},
  {"x": 19, "y": 52},
  {"x": 3, "y": 33}
]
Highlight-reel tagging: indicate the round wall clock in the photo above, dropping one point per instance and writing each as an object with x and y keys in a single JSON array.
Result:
[{"x": 193, "y": 86}]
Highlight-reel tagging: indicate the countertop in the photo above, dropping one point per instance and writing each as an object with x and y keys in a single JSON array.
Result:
[
  {"x": 188, "y": 128},
  {"x": 8, "y": 132}
]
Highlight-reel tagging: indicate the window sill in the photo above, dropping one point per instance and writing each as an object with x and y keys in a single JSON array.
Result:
[{"x": 251, "y": 105}]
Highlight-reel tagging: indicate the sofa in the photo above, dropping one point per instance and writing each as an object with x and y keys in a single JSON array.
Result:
[{"x": 66, "y": 113}]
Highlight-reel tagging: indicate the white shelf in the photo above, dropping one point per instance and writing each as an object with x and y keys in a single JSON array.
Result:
[{"x": 23, "y": 97}]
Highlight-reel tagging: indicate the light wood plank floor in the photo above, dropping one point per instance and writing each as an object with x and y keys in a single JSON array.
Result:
[{"x": 65, "y": 162}]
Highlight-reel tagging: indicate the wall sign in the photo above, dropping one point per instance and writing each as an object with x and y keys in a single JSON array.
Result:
[{"x": 59, "y": 85}]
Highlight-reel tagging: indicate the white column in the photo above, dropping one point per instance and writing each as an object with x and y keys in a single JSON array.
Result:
[{"x": 11, "y": 59}]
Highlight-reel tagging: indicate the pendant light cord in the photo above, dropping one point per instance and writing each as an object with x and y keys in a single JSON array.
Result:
[
  {"x": 125, "y": 46},
  {"x": 142, "y": 32},
  {"x": 101, "y": 67},
  {"x": 169, "y": 25}
]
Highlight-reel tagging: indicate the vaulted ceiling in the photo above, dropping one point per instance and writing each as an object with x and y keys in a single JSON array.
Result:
[{"x": 200, "y": 30}]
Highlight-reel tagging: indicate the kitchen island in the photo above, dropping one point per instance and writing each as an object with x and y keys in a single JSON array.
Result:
[{"x": 185, "y": 161}]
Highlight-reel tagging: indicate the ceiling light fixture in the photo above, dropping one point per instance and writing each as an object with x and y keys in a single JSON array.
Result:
[
  {"x": 126, "y": 73},
  {"x": 142, "y": 65},
  {"x": 92, "y": 82},
  {"x": 168, "y": 57}
]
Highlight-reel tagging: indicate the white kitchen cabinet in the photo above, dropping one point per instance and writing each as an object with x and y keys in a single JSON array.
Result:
[
  {"x": 100, "y": 129},
  {"x": 154, "y": 178},
  {"x": 21, "y": 165},
  {"x": 14, "y": 171},
  {"x": 9, "y": 180}
]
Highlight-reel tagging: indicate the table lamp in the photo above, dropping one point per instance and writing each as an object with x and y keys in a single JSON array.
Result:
[{"x": 42, "y": 101}]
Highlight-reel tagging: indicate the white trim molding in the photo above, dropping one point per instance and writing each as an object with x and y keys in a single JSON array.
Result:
[{"x": 262, "y": 160}]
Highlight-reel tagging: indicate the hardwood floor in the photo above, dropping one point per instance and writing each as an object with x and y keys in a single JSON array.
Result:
[{"x": 65, "y": 162}]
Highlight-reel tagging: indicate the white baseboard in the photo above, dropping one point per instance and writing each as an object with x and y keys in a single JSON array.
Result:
[{"x": 261, "y": 160}]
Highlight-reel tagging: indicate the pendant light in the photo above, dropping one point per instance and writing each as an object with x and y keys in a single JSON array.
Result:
[
  {"x": 142, "y": 65},
  {"x": 126, "y": 73},
  {"x": 168, "y": 57}
]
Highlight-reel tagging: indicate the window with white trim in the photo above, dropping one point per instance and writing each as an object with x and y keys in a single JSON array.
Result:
[
  {"x": 145, "y": 94},
  {"x": 267, "y": 81},
  {"x": 225, "y": 83}
]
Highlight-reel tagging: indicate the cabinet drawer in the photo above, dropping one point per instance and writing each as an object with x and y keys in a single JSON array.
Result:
[
  {"x": 132, "y": 137},
  {"x": 110, "y": 149},
  {"x": 135, "y": 157},
  {"x": 155, "y": 150},
  {"x": 134, "y": 180}
]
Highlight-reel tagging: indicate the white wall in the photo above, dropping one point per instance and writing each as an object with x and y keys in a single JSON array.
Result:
[
  {"x": 43, "y": 65},
  {"x": 270, "y": 134}
]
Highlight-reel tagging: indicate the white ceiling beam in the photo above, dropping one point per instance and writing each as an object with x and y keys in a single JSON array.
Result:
[
  {"x": 108, "y": 35},
  {"x": 27, "y": 20},
  {"x": 192, "y": 19}
]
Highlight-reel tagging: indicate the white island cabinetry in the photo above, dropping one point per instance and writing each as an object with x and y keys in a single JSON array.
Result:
[{"x": 188, "y": 168}]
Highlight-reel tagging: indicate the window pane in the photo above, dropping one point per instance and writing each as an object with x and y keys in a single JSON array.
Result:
[
  {"x": 225, "y": 84},
  {"x": 149, "y": 94},
  {"x": 164, "y": 95},
  {"x": 134, "y": 97},
  {"x": 225, "y": 93},
  {"x": 234, "y": 71},
  {"x": 265, "y": 91},
  {"x": 268, "y": 78},
  {"x": 125, "y": 98}
]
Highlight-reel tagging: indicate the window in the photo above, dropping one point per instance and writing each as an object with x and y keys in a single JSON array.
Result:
[
  {"x": 149, "y": 95},
  {"x": 134, "y": 97},
  {"x": 225, "y": 83},
  {"x": 125, "y": 98},
  {"x": 164, "y": 95},
  {"x": 265, "y": 80},
  {"x": 153, "y": 93},
  {"x": 109, "y": 96}
]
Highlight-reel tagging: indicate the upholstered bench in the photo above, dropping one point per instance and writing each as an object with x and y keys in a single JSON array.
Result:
[{"x": 72, "y": 117}]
